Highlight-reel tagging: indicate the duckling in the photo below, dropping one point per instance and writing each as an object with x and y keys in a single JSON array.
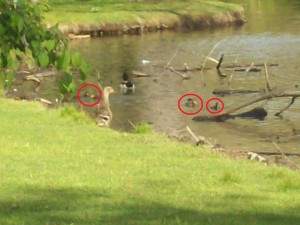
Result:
[
  {"x": 102, "y": 112},
  {"x": 89, "y": 95},
  {"x": 126, "y": 85},
  {"x": 191, "y": 103},
  {"x": 214, "y": 107}
]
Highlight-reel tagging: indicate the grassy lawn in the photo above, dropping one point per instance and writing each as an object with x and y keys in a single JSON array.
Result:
[
  {"x": 58, "y": 168},
  {"x": 124, "y": 11}
]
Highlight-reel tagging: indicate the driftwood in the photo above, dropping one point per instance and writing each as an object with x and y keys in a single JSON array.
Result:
[
  {"x": 44, "y": 101},
  {"x": 170, "y": 68},
  {"x": 245, "y": 69},
  {"x": 254, "y": 155},
  {"x": 33, "y": 78},
  {"x": 140, "y": 74},
  {"x": 73, "y": 36},
  {"x": 237, "y": 68},
  {"x": 200, "y": 140},
  {"x": 250, "y": 101},
  {"x": 46, "y": 73}
]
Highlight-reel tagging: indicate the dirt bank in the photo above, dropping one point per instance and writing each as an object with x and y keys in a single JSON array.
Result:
[{"x": 178, "y": 22}]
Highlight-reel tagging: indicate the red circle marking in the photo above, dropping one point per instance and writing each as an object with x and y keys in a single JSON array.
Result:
[
  {"x": 192, "y": 113},
  {"x": 91, "y": 85},
  {"x": 214, "y": 112}
]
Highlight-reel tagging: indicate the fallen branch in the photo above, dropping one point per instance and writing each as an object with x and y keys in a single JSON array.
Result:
[
  {"x": 171, "y": 59},
  {"x": 285, "y": 108},
  {"x": 220, "y": 62},
  {"x": 233, "y": 91},
  {"x": 178, "y": 73},
  {"x": 200, "y": 140},
  {"x": 204, "y": 62},
  {"x": 46, "y": 73},
  {"x": 249, "y": 68},
  {"x": 33, "y": 78},
  {"x": 44, "y": 101},
  {"x": 244, "y": 69},
  {"x": 247, "y": 102},
  {"x": 294, "y": 165},
  {"x": 132, "y": 124},
  {"x": 212, "y": 59},
  {"x": 277, "y": 153},
  {"x": 248, "y": 65}
]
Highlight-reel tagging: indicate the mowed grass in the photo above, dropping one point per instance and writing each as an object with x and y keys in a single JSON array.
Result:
[
  {"x": 57, "y": 168},
  {"x": 124, "y": 11}
]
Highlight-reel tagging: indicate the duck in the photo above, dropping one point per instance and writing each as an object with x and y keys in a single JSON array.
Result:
[
  {"x": 102, "y": 112},
  {"x": 126, "y": 85},
  {"x": 191, "y": 103}
]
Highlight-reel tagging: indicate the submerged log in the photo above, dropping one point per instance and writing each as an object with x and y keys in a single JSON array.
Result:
[
  {"x": 258, "y": 113},
  {"x": 233, "y": 91}
]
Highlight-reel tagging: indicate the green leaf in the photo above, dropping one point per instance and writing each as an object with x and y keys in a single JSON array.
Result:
[
  {"x": 64, "y": 61},
  {"x": 10, "y": 79},
  {"x": 12, "y": 61},
  {"x": 49, "y": 45},
  {"x": 85, "y": 70},
  {"x": 76, "y": 59},
  {"x": 43, "y": 59},
  {"x": 72, "y": 87},
  {"x": 35, "y": 45},
  {"x": 2, "y": 79},
  {"x": 65, "y": 83},
  {"x": 17, "y": 21}
]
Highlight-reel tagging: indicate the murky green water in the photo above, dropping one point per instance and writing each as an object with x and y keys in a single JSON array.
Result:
[{"x": 272, "y": 34}]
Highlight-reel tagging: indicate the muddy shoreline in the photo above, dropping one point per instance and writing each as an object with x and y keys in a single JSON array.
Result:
[{"x": 183, "y": 22}]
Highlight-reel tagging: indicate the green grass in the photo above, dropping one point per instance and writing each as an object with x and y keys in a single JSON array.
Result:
[
  {"x": 58, "y": 168},
  {"x": 124, "y": 11}
]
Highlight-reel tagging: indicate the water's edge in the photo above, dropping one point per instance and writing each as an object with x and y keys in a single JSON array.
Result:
[{"x": 233, "y": 18}]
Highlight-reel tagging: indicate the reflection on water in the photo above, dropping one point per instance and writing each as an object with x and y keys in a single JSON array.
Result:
[{"x": 271, "y": 35}]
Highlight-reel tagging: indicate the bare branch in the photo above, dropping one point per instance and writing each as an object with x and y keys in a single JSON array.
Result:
[
  {"x": 285, "y": 108},
  {"x": 267, "y": 77},
  {"x": 172, "y": 58}
]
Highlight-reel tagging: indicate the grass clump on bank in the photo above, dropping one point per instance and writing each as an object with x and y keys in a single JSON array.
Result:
[
  {"x": 56, "y": 170},
  {"x": 136, "y": 12}
]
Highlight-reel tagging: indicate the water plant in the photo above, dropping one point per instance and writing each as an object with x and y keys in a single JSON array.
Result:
[{"x": 27, "y": 42}]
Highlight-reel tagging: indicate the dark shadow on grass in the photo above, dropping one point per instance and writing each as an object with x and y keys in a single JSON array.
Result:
[{"x": 95, "y": 206}]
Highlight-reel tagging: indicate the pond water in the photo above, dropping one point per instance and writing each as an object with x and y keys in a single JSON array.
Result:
[{"x": 271, "y": 35}]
